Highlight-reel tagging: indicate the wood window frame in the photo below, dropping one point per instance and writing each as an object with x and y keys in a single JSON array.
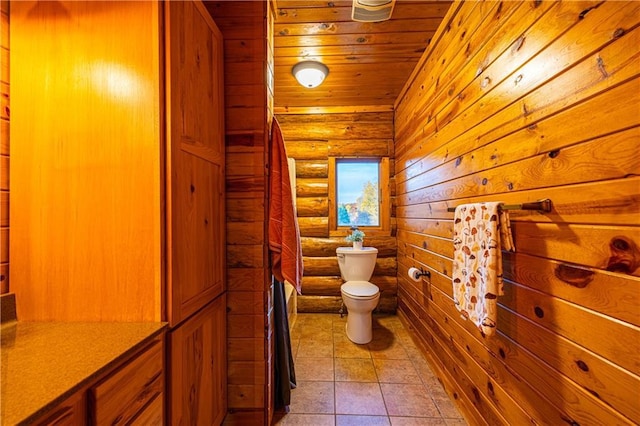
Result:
[{"x": 384, "y": 228}]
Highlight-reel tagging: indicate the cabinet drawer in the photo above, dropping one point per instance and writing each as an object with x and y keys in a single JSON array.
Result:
[
  {"x": 134, "y": 387},
  {"x": 153, "y": 414},
  {"x": 70, "y": 413}
]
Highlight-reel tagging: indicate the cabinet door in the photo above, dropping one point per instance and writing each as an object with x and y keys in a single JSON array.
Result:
[
  {"x": 85, "y": 163},
  {"x": 195, "y": 159},
  {"x": 198, "y": 388}
]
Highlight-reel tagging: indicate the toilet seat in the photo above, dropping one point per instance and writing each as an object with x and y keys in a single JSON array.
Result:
[{"x": 360, "y": 290}]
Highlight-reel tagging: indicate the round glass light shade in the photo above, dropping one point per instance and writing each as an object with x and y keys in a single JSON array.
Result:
[{"x": 310, "y": 74}]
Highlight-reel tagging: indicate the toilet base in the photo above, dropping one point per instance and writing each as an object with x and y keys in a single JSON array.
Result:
[{"x": 359, "y": 328}]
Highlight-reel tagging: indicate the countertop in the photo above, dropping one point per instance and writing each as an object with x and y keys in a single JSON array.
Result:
[{"x": 43, "y": 363}]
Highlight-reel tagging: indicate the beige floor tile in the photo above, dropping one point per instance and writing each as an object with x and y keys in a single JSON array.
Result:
[
  {"x": 340, "y": 333},
  {"x": 351, "y": 420},
  {"x": 342, "y": 383},
  {"x": 387, "y": 349},
  {"x": 317, "y": 334},
  {"x": 386, "y": 320},
  {"x": 348, "y": 349},
  {"x": 456, "y": 422},
  {"x": 417, "y": 421},
  {"x": 339, "y": 323},
  {"x": 294, "y": 347},
  {"x": 359, "y": 398},
  {"x": 309, "y": 348},
  {"x": 339, "y": 329},
  {"x": 314, "y": 369},
  {"x": 446, "y": 407},
  {"x": 312, "y": 398},
  {"x": 405, "y": 338},
  {"x": 408, "y": 400},
  {"x": 294, "y": 334},
  {"x": 413, "y": 352},
  {"x": 426, "y": 374},
  {"x": 316, "y": 320},
  {"x": 396, "y": 371},
  {"x": 400, "y": 330},
  {"x": 382, "y": 334},
  {"x": 311, "y": 319},
  {"x": 306, "y": 420},
  {"x": 354, "y": 370}
]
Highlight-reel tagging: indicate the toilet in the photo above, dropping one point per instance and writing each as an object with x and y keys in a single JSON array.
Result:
[{"x": 358, "y": 294}]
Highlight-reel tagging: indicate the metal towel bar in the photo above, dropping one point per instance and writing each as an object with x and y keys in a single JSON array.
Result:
[{"x": 541, "y": 205}]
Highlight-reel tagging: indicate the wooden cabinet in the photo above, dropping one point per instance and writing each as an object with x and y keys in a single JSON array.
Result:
[
  {"x": 118, "y": 160},
  {"x": 135, "y": 389},
  {"x": 131, "y": 393},
  {"x": 86, "y": 161},
  {"x": 117, "y": 172},
  {"x": 72, "y": 412},
  {"x": 197, "y": 392},
  {"x": 195, "y": 159}
]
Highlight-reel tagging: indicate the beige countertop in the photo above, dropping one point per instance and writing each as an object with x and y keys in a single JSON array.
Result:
[{"x": 43, "y": 363}]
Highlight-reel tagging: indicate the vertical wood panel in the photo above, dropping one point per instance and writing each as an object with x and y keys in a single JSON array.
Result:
[
  {"x": 195, "y": 159},
  {"x": 527, "y": 115},
  {"x": 86, "y": 212},
  {"x": 197, "y": 390},
  {"x": 4, "y": 141}
]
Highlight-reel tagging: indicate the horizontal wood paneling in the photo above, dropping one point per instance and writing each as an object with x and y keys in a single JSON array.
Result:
[
  {"x": 330, "y": 285},
  {"x": 509, "y": 106},
  {"x": 246, "y": 98},
  {"x": 368, "y": 62},
  {"x": 328, "y": 266},
  {"x": 604, "y": 202},
  {"x": 312, "y": 169},
  {"x": 318, "y": 247},
  {"x": 311, "y": 139},
  {"x": 309, "y": 206},
  {"x": 318, "y": 304}
]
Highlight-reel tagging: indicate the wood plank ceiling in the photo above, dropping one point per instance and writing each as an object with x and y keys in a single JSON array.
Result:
[{"x": 369, "y": 62}]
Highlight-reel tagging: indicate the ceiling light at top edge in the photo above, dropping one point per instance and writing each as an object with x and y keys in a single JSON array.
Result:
[{"x": 310, "y": 74}]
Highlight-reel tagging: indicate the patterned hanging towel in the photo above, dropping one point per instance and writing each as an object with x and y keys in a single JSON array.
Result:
[{"x": 480, "y": 232}]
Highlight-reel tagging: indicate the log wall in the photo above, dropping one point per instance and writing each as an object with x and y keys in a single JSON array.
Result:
[
  {"x": 4, "y": 146},
  {"x": 515, "y": 102},
  {"x": 248, "y": 100},
  {"x": 311, "y": 139}
]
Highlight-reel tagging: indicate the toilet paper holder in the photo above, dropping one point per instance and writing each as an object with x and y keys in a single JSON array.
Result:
[
  {"x": 424, "y": 273},
  {"x": 415, "y": 273}
]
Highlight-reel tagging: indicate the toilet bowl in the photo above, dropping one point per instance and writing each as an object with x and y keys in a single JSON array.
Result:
[{"x": 359, "y": 295}]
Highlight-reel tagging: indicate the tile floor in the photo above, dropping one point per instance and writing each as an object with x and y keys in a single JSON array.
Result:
[{"x": 387, "y": 382}]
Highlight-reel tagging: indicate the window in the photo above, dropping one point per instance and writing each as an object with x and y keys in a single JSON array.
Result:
[{"x": 358, "y": 193}]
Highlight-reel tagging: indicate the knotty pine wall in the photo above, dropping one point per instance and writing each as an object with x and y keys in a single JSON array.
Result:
[
  {"x": 4, "y": 146},
  {"x": 249, "y": 327},
  {"x": 311, "y": 139},
  {"x": 519, "y": 101}
]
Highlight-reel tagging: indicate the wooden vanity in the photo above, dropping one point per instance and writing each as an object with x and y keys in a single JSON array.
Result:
[{"x": 80, "y": 373}]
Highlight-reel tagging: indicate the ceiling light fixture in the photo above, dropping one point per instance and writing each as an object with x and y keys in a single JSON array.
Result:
[
  {"x": 372, "y": 10},
  {"x": 310, "y": 74}
]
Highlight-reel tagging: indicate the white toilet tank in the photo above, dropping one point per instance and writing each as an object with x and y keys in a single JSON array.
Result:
[{"x": 356, "y": 265}]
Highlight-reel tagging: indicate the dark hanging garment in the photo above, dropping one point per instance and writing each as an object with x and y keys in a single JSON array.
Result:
[{"x": 285, "y": 376}]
